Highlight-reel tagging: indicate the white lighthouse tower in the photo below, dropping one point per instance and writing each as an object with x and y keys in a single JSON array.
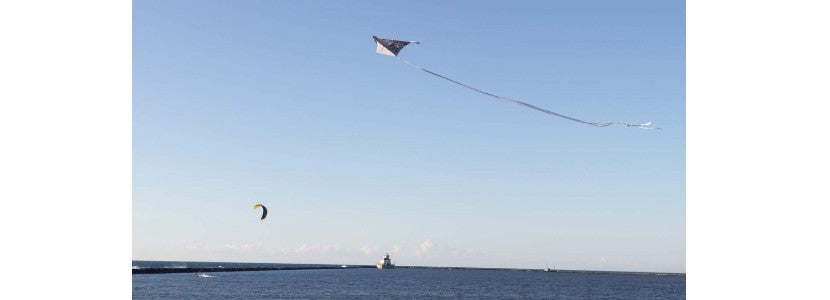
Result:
[{"x": 386, "y": 263}]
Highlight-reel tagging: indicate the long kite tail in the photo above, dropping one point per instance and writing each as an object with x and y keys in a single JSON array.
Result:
[{"x": 528, "y": 105}]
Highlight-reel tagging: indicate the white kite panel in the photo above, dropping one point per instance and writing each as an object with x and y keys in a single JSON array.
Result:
[{"x": 382, "y": 50}]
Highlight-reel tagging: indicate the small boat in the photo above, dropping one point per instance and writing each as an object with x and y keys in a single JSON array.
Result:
[
  {"x": 547, "y": 269},
  {"x": 344, "y": 266}
]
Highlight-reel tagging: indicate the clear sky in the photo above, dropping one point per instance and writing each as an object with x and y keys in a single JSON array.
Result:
[{"x": 355, "y": 154}]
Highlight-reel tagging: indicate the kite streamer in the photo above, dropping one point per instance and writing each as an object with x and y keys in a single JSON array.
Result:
[{"x": 393, "y": 47}]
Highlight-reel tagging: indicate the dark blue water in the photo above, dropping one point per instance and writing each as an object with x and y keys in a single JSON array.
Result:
[{"x": 406, "y": 283}]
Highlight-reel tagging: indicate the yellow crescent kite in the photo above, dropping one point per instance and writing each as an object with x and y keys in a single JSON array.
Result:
[{"x": 264, "y": 210}]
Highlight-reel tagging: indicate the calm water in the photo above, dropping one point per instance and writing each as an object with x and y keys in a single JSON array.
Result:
[{"x": 406, "y": 283}]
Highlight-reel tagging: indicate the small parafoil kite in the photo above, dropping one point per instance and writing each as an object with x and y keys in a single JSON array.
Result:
[
  {"x": 393, "y": 47},
  {"x": 264, "y": 210}
]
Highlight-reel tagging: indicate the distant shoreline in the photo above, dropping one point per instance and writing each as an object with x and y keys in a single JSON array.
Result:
[
  {"x": 168, "y": 270},
  {"x": 235, "y": 269},
  {"x": 555, "y": 271}
]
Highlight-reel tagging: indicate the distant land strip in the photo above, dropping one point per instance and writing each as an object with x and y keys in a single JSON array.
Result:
[
  {"x": 286, "y": 268},
  {"x": 552, "y": 271},
  {"x": 235, "y": 269}
]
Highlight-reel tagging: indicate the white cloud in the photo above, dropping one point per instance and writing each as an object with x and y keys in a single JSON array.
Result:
[
  {"x": 366, "y": 250},
  {"x": 304, "y": 248},
  {"x": 228, "y": 246},
  {"x": 425, "y": 246},
  {"x": 239, "y": 247},
  {"x": 194, "y": 247}
]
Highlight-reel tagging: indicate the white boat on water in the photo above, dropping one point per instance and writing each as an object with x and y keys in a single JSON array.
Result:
[{"x": 549, "y": 269}]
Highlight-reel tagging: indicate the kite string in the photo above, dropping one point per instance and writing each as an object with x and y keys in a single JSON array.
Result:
[{"x": 528, "y": 105}]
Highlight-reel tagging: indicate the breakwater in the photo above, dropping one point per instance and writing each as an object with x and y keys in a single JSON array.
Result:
[
  {"x": 237, "y": 269},
  {"x": 554, "y": 271},
  {"x": 166, "y": 270}
]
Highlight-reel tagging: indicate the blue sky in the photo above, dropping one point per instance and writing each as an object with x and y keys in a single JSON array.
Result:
[{"x": 356, "y": 154}]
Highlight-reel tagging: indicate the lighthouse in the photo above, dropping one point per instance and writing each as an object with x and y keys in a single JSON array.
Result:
[{"x": 385, "y": 263}]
